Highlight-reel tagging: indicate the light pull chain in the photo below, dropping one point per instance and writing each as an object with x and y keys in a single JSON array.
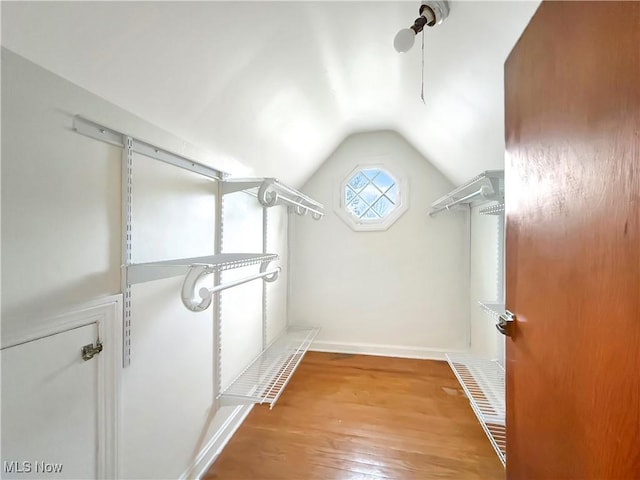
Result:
[{"x": 422, "y": 83}]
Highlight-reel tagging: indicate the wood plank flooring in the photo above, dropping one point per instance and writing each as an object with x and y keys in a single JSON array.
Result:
[{"x": 347, "y": 417}]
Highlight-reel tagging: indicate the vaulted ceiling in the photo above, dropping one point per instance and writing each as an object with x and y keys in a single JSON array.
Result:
[{"x": 278, "y": 85}]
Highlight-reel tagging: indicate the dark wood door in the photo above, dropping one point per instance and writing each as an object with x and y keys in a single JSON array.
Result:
[{"x": 573, "y": 243}]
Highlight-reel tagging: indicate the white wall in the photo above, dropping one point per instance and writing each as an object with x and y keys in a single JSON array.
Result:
[
  {"x": 61, "y": 246},
  {"x": 404, "y": 291},
  {"x": 60, "y": 197}
]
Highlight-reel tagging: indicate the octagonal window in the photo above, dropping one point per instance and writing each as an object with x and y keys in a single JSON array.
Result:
[
  {"x": 371, "y": 194},
  {"x": 371, "y": 198}
]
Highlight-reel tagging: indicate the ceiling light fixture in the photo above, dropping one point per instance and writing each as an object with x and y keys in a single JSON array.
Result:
[{"x": 431, "y": 13}]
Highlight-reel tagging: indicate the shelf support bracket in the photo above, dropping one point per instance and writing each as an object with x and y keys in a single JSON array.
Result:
[{"x": 265, "y": 197}]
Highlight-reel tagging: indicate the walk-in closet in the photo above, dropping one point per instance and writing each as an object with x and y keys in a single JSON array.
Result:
[{"x": 320, "y": 240}]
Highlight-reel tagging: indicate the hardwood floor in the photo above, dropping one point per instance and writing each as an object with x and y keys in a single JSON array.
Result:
[{"x": 362, "y": 417}]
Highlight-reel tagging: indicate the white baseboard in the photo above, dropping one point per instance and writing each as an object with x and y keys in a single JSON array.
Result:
[
  {"x": 214, "y": 447},
  {"x": 383, "y": 350}
]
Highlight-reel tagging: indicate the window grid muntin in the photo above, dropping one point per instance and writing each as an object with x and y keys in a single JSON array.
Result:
[{"x": 382, "y": 194}]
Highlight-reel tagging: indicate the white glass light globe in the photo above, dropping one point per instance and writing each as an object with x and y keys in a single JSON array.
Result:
[{"x": 404, "y": 40}]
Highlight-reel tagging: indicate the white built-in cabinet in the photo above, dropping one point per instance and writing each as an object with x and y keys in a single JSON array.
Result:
[{"x": 60, "y": 396}]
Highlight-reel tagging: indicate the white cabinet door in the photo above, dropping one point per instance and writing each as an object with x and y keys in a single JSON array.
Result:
[{"x": 50, "y": 407}]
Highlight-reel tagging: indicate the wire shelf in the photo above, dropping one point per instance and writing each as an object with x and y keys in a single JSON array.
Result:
[
  {"x": 264, "y": 380},
  {"x": 498, "y": 436},
  {"x": 146, "y": 272},
  {"x": 483, "y": 382},
  {"x": 496, "y": 209},
  {"x": 493, "y": 310}
]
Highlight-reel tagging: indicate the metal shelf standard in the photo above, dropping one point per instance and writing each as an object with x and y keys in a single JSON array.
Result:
[
  {"x": 264, "y": 380},
  {"x": 496, "y": 209},
  {"x": 271, "y": 192},
  {"x": 489, "y": 185},
  {"x": 483, "y": 382}
]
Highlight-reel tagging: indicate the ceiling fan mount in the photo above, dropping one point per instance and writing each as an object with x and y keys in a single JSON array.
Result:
[{"x": 432, "y": 12}]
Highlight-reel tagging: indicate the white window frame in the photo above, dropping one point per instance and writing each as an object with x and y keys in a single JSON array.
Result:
[{"x": 378, "y": 224}]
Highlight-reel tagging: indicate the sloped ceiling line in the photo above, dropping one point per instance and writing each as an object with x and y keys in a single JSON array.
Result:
[{"x": 282, "y": 94}]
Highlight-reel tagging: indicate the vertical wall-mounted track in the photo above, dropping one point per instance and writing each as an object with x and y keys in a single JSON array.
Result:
[
  {"x": 501, "y": 256},
  {"x": 265, "y": 240},
  {"x": 127, "y": 192},
  {"x": 502, "y": 293},
  {"x": 217, "y": 299}
]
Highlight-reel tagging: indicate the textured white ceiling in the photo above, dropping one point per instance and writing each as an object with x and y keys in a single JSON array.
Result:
[{"x": 277, "y": 86}]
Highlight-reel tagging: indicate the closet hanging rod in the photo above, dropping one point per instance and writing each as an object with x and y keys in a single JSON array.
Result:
[
  {"x": 206, "y": 294},
  {"x": 299, "y": 208},
  {"x": 292, "y": 191},
  {"x": 482, "y": 192},
  {"x": 271, "y": 274}
]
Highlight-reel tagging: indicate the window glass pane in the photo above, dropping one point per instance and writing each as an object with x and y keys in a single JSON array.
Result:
[
  {"x": 358, "y": 182},
  {"x": 370, "y": 215},
  {"x": 370, "y": 173},
  {"x": 392, "y": 194},
  {"x": 383, "y": 181},
  {"x": 370, "y": 194},
  {"x": 348, "y": 195},
  {"x": 382, "y": 206},
  {"x": 357, "y": 206}
]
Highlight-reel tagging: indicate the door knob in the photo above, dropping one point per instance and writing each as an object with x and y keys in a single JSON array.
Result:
[{"x": 503, "y": 322}]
